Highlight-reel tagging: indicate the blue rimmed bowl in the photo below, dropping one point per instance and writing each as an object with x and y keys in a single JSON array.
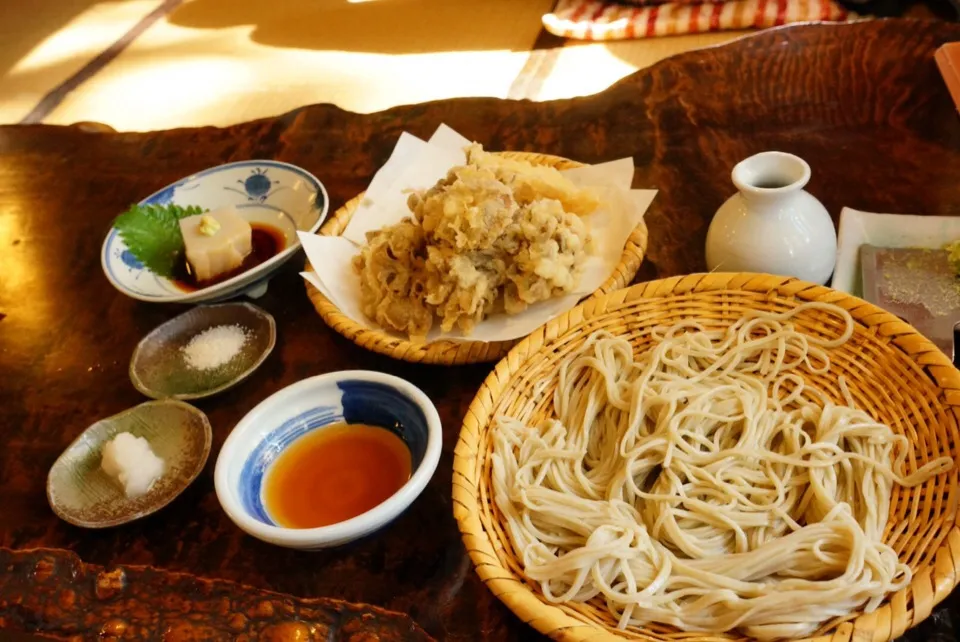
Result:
[
  {"x": 352, "y": 397},
  {"x": 285, "y": 197}
]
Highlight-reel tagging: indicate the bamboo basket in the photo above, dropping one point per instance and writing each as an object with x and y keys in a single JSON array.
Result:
[
  {"x": 456, "y": 352},
  {"x": 894, "y": 373}
]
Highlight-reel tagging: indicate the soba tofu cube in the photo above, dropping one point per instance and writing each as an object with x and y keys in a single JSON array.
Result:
[{"x": 216, "y": 242}]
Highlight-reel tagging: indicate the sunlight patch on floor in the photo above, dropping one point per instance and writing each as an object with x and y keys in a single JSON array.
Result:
[
  {"x": 223, "y": 70},
  {"x": 222, "y": 84},
  {"x": 220, "y": 62},
  {"x": 581, "y": 69},
  {"x": 59, "y": 55}
]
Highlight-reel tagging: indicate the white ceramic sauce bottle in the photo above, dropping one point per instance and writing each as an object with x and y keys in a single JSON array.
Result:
[{"x": 772, "y": 225}]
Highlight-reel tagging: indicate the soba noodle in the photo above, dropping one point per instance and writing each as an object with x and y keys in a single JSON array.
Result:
[{"x": 704, "y": 484}]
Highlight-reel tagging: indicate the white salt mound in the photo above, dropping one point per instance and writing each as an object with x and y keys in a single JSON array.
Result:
[
  {"x": 214, "y": 347},
  {"x": 131, "y": 462}
]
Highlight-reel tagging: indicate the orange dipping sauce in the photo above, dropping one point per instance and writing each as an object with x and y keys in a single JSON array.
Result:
[{"x": 335, "y": 473}]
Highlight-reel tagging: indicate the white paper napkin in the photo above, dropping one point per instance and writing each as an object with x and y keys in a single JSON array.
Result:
[{"x": 414, "y": 165}]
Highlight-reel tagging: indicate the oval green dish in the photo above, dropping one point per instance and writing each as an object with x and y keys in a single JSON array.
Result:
[
  {"x": 82, "y": 494},
  {"x": 159, "y": 370}
]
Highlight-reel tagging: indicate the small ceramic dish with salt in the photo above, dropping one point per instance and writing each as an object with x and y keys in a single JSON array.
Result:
[{"x": 203, "y": 351}]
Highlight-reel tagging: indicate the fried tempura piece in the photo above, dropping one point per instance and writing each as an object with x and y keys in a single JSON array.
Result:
[
  {"x": 467, "y": 210},
  {"x": 495, "y": 234},
  {"x": 532, "y": 182},
  {"x": 553, "y": 245},
  {"x": 463, "y": 288},
  {"x": 391, "y": 268}
]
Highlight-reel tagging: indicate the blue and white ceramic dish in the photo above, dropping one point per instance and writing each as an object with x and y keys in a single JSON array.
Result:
[
  {"x": 281, "y": 195},
  {"x": 353, "y": 396}
]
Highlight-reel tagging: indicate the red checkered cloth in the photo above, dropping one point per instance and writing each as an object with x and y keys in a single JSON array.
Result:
[{"x": 593, "y": 20}]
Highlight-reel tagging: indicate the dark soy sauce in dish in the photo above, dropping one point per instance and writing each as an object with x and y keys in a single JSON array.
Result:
[{"x": 266, "y": 242}]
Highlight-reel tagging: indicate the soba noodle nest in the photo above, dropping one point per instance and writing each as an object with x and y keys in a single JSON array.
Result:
[{"x": 704, "y": 484}]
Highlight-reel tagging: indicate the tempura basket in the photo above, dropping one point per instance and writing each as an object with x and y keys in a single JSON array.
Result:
[{"x": 456, "y": 352}]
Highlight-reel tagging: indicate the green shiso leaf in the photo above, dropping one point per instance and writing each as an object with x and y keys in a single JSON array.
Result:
[{"x": 152, "y": 234}]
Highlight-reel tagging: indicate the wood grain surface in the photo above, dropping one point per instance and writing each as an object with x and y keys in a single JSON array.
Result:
[
  {"x": 862, "y": 103},
  {"x": 54, "y": 593}
]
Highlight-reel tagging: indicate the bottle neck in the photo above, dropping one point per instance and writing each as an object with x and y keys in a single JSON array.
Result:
[
  {"x": 768, "y": 202},
  {"x": 770, "y": 181}
]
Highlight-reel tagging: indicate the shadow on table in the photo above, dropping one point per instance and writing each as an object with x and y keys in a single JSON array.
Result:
[
  {"x": 23, "y": 28},
  {"x": 375, "y": 26}
]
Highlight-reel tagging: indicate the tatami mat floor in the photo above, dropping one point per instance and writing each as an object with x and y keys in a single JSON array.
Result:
[{"x": 155, "y": 64}]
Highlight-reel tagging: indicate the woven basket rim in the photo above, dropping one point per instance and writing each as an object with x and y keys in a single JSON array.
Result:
[
  {"x": 445, "y": 352},
  {"x": 556, "y": 622}
]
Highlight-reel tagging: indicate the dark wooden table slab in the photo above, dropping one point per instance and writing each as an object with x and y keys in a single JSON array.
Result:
[
  {"x": 862, "y": 103},
  {"x": 54, "y": 589}
]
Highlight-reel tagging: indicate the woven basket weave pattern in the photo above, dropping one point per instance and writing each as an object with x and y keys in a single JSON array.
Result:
[
  {"x": 455, "y": 352},
  {"x": 896, "y": 375}
]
